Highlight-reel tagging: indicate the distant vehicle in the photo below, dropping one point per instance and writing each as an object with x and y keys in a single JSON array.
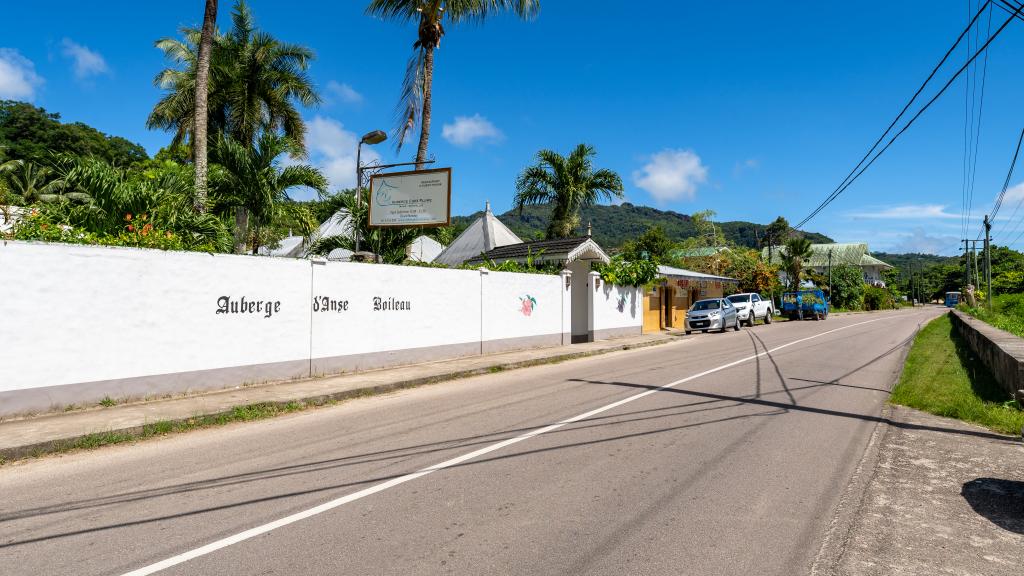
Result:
[
  {"x": 712, "y": 314},
  {"x": 805, "y": 304},
  {"x": 952, "y": 299},
  {"x": 750, "y": 307}
]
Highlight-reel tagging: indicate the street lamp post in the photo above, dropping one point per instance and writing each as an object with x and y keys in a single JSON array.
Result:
[{"x": 375, "y": 137}]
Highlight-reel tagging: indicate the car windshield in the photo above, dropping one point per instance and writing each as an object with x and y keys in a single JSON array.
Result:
[
  {"x": 707, "y": 305},
  {"x": 735, "y": 299}
]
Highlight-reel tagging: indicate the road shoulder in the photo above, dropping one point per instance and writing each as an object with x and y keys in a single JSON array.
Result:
[{"x": 932, "y": 495}]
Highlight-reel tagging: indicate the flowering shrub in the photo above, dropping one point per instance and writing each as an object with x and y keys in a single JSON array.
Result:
[{"x": 137, "y": 232}]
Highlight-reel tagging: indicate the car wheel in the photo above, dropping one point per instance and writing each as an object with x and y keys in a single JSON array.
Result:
[
  {"x": 703, "y": 331},
  {"x": 688, "y": 332},
  {"x": 768, "y": 317},
  {"x": 736, "y": 326}
]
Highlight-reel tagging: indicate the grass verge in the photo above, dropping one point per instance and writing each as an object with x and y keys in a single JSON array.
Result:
[
  {"x": 1007, "y": 313},
  {"x": 245, "y": 413},
  {"x": 943, "y": 377}
]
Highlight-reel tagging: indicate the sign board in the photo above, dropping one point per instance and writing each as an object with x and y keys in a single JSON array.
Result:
[{"x": 411, "y": 199}]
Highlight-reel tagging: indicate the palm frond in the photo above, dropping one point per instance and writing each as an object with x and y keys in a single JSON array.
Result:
[{"x": 410, "y": 103}]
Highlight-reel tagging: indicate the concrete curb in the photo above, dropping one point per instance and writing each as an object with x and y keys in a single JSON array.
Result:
[{"x": 54, "y": 445}]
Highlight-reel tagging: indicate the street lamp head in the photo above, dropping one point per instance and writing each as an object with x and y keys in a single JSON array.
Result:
[{"x": 375, "y": 137}]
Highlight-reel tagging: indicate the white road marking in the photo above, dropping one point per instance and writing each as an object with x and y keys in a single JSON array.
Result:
[{"x": 330, "y": 505}]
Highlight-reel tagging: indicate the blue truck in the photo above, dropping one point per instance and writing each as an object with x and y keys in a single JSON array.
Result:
[{"x": 805, "y": 304}]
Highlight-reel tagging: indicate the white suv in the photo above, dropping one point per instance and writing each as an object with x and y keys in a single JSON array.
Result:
[{"x": 751, "y": 306}]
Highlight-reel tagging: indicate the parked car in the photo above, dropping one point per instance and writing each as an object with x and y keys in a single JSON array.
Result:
[
  {"x": 805, "y": 304},
  {"x": 750, "y": 307},
  {"x": 712, "y": 314}
]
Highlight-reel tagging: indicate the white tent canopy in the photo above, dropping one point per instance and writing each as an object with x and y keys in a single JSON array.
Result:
[
  {"x": 424, "y": 249},
  {"x": 483, "y": 235}
]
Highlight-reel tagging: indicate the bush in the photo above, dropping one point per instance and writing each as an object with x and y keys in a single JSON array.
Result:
[
  {"x": 628, "y": 273},
  {"x": 137, "y": 233},
  {"x": 847, "y": 287},
  {"x": 876, "y": 298}
]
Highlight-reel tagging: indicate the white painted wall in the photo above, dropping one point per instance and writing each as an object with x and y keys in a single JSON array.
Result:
[
  {"x": 433, "y": 308},
  {"x": 76, "y": 314},
  {"x": 614, "y": 310},
  {"x": 521, "y": 310},
  {"x": 78, "y": 323}
]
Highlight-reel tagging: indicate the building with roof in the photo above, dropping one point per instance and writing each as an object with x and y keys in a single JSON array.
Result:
[
  {"x": 558, "y": 251},
  {"x": 851, "y": 253},
  {"x": 702, "y": 252},
  {"x": 665, "y": 305},
  {"x": 484, "y": 234}
]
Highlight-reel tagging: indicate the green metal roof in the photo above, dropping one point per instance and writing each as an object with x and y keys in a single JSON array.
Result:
[
  {"x": 853, "y": 253},
  {"x": 697, "y": 252}
]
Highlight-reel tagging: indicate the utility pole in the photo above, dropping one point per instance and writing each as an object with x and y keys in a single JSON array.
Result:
[
  {"x": 967, "y": 261},
  {"x": 988, "y": 262},
  {"x": 829, "y": 274}
]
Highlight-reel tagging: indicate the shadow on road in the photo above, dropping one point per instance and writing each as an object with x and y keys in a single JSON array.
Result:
[{"x": 1001, "y": 501}]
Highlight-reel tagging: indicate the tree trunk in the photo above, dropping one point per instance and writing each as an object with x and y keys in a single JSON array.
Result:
[
  {"x": 428, "y": 81},
  {"x": 241, "y": 229},
  {"x": 201, "y": 115}
]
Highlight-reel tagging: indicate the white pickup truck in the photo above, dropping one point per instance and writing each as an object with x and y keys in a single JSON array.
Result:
[{"x": 750, "y": 306}]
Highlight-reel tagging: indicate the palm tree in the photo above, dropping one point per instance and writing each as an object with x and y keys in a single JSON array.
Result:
[
  {"x": 33, "y": 183},
  {"x": 389, "y": 244},
  {"x": 254, "y": 180},
  {"x": 200, "y": 115},
  {"x": 254, "y": 84},
  {"x": 162, "y": 194},
  {"x": 569, "y": 183},
  {"x": 793, "y": 253},
  {"x": 415, "y": 102}
]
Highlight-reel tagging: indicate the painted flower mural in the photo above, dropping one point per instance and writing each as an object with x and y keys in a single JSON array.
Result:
[{"x": 528, "y": 303}]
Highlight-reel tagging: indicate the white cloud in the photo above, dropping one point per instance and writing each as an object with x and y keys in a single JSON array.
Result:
[
  {"x": 907, "y": 212},
  {"x": 18, "y": 78},
  {"x": 671, "y": 175},
  {"x": 332, "y": 149},
  {"x": 344, "y": 93},
  {"x": 85, "y": 62},
  {"x": 467, "y": 130},
  {"x": 921, "y": 242},
  {"x": 749, "y": 164}
]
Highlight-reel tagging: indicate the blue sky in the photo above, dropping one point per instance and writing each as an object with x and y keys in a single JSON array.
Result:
[{"x": 749, "y": 109}]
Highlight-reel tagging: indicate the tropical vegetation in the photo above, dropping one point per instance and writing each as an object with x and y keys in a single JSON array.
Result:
[
  {"x": 794, "y": 252},
  {"x": 568, "y": 184}
]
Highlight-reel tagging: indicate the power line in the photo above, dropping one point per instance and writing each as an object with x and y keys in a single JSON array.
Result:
[
  {"x": 968, "y": 130},
  {"x": 1009, "y": 176},
  {"x": 847, "y": 182},
  {"x": 911, "y": 102},
  {"x": 1009, "y": 7},
  {"x": 981, "y": 106}
]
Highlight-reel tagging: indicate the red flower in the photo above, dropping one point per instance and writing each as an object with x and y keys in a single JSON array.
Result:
[{"x": 131, "y": 228}]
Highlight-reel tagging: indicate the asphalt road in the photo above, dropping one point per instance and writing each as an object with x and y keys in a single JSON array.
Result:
[{"x": 733, "y": 471}]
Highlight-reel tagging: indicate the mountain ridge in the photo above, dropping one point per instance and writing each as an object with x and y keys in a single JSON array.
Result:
[{"x": 613, "y": 225}]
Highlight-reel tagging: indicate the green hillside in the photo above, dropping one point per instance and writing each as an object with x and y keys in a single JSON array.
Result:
[
  {"x": 915, "y": 262},
  {"x": 614, "y": 225}
]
